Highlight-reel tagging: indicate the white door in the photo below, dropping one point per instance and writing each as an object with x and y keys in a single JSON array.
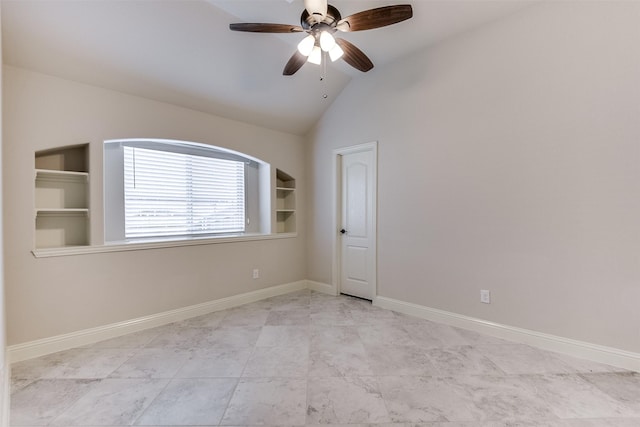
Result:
[{"x": 357, "y": 275}]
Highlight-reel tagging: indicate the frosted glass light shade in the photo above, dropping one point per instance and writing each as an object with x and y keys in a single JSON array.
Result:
[
  {"x": 306, "y": 45},
  {"x": 316, "y": 8},
  {"x": 327, "y": 42},
  {"x": 316, "y": 56},
  {"x": 343, "y": 26},
  {"x": 336, "y": 53}
]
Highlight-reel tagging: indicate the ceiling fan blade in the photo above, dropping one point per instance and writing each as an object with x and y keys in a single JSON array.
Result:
[
  {"x": 354, "y": 56},
  {"x": 295, "y": 63},
  {"x": 376, "y": 18},
  {"x": 316, "y": 8},
  {"x": 265, "y": 28}
]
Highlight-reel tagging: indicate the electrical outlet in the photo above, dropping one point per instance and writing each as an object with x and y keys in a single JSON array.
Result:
[
  {"x": 485, "y": 296},
  {"x": 256, "y": 273}
]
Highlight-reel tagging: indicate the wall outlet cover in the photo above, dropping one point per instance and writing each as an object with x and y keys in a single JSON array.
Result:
[{"x": 485, "y": 296}]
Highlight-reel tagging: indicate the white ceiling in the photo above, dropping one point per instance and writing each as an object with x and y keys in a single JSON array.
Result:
[{"x": 182, "y": 52}]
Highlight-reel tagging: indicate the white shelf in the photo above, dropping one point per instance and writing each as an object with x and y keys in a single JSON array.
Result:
[
  {"x": 285, "y": 189},
  {"x": 62, "y": 212},
  {"x": 285, "y": 210},
  {"x": 55, "y": 175}
]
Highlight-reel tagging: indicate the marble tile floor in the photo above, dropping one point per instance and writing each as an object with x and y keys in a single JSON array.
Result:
[{"x": 307, "y": 358}]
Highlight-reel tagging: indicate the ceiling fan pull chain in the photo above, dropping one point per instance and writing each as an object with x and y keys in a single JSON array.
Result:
[{"x": 323, "y": 77}]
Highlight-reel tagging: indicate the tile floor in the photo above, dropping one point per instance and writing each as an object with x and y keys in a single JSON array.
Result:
[{"x": 306, "y": 359}]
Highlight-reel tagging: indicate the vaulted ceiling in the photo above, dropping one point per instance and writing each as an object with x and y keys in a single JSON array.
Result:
[{"x": 182, "y": 52}]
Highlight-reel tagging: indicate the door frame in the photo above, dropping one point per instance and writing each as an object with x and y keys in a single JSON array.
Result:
[{"x": 337, "y": 214}]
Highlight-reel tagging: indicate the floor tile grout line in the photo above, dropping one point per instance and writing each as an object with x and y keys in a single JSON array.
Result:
[
  {"x": 384, "y": 401},
  {"x": 306, "y": 406},
  {"x": 226, "y": 408},
  {"x": 134, "y": 353}
]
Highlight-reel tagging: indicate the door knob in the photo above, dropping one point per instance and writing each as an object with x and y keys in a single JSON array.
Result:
[{"x": 343, "y": 231}]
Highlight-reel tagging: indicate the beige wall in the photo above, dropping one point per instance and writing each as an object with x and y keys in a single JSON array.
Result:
[
  {"x": 51, "y": 296},
  {"x": 509, "y": 161}
]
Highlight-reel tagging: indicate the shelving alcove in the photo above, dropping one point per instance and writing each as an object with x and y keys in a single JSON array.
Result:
[
  {"x": 62, "y": 197},
  {"x": 285, "y": 203}
]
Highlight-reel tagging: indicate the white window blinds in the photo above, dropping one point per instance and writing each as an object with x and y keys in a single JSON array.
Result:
[{"x": 174, "y": 194}]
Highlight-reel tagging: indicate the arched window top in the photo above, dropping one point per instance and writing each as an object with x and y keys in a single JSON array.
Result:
[{"x": 185, "y": 147}]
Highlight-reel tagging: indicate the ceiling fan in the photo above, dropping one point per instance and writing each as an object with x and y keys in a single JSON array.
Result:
[{"x": 321, "y": 21}]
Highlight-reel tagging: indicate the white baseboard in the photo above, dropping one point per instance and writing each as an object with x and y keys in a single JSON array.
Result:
[
  {"x": 32, "y": 349},
  {"x": 594, "y": 352},
  {"x": 322, "y": 287}
]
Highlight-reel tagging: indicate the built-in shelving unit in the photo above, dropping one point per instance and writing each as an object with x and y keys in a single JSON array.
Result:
[
  {"x": 62, "y": 197},
  {"x": 285, "y": 203}
]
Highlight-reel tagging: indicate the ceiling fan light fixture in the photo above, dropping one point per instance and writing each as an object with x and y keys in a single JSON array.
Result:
[
  {"x": 316, "y": 55},
  {"x": 336, "y": 53},
  {"x": 305, "y": 47},
  {"x": 327, "y": 42}
]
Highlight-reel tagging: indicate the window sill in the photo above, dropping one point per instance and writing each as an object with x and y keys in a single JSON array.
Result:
[{"x": 140, "y": 246}]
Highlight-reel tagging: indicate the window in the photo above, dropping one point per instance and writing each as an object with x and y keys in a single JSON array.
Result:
[
  {"x": 175, "y": 194},
  {"x": 172, "y": 189}
]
